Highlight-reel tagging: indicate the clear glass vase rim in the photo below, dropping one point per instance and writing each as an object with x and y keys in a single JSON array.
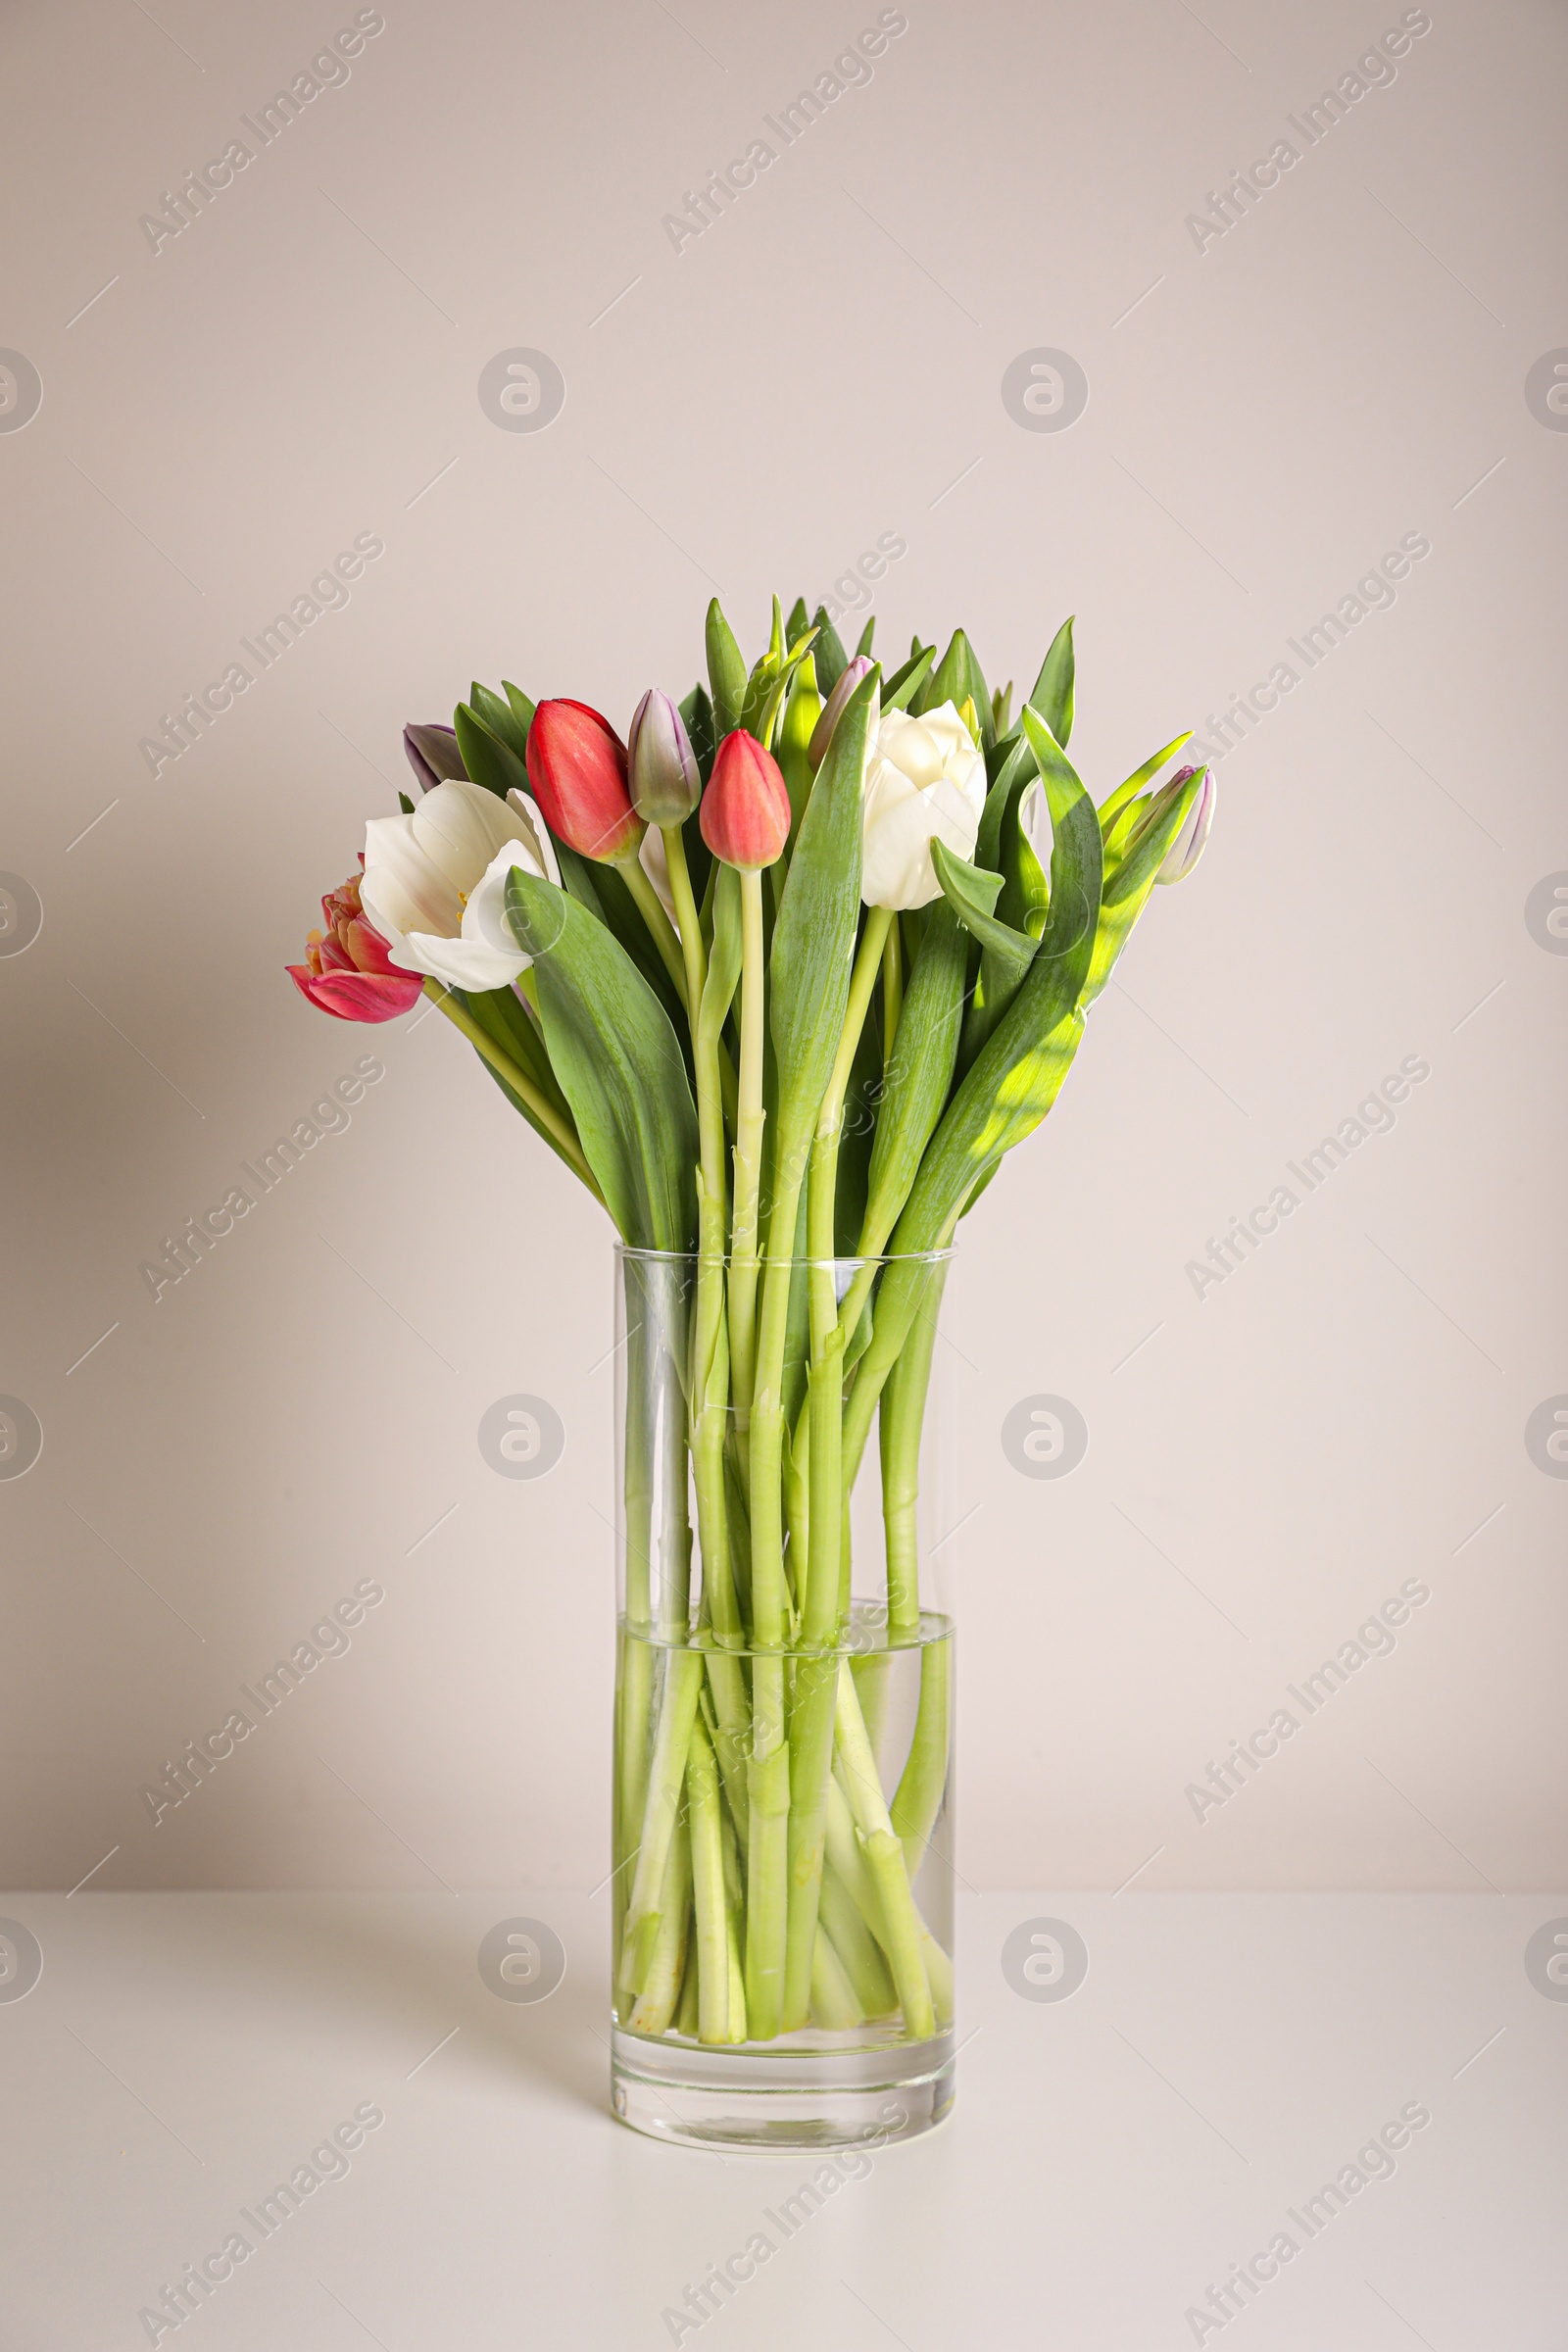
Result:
[{"x": 851, "y": 1259}]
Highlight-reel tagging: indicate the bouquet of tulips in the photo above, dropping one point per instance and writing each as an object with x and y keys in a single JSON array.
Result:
[{"x": 781, "y": 979}]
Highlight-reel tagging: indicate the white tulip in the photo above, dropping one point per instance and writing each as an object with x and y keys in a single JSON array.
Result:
[
  {"x": 435, "y": 882},
  {"x": 924, "y": 781}
]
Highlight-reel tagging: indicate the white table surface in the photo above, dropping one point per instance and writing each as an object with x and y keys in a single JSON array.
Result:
[{"x": 1112, "y": 2155}]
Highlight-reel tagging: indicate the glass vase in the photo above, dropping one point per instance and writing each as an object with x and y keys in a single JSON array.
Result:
[{"x": 782, "y": 1876}]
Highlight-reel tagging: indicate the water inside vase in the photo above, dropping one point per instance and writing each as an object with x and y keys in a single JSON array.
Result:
[{"x": 783, "y": 1879}]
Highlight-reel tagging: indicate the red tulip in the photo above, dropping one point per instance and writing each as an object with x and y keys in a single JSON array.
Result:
[
  {"x": 347, "y": 970},
  {"x": 578, "y": 767},
  {"x": 746, "y": 808}
]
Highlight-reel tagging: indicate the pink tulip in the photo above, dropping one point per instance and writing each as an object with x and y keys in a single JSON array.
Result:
[
  {"x": 746, "y": 808},
  {"x": 347, "y": 971}
]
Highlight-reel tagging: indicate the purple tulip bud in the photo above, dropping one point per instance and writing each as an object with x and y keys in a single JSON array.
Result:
[
  {"x": 1188, "y": 846},
  {"x": 833, "y": 708},
  {"x": 661, "y": 765},
  {"x": 433, "y": 755}
]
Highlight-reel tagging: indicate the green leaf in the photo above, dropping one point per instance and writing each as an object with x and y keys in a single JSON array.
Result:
[
  {"x": 958, "y": 675},
  {"x": 1015, "y": 1078},
  {"x": 405, "y": 804},
  {"x": 699, "y": 856},
  {"x": 800, "y": 715},
  {"x": 831, "y": 659},
  {"x": 1052, "y": 692},
  {"x": 969, "y": 890},
  {"x": 522, "y": 711},
  {"x": 855, "y": 1142},
  {"x": 499, "y": 717},
  {"x": 617, "y": 1061},
  {"x": 778, "y": 687},
  {"x": 697, "y": 716},
  {"x": 726, "y": 673},
  {"x": 1010, "y": 762},
  {"x": 906, "y": 683},
  {"x": 488, "y": 760},
  {"x": 799, "y": 622},
  {"x": 866, "y": 634},
  {"x": 1132, "y": 878},
  {"x": 814, "y": 938},
  {"x": 920, "y": 1071},
  {"x": 1007, "y": 952},
  {"x": 1119, "y": 802},
  {"x": 600, "y": 890}
]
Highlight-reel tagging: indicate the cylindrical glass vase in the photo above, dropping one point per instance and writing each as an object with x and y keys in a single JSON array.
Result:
[{"x": 782, "y": 1888}]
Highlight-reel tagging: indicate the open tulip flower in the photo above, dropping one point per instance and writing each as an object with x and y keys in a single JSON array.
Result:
[
  {"x": 786, "y": 1070},
  {"x": 926, "y": 781},
  {"x": 347, "y": 970},
  {"x": 435, "y": 882}
]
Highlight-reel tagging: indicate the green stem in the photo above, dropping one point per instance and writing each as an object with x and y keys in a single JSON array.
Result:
[
  {"x": 693, "y": 961},
  {"x": 749, "y": 1121},
  {"x": 841, "y": 1918},
  {"x": 834, "y": 2004},
  {"x": 899, "y": 1427},
  {"x": 661, "y": 931},
  {"x": 729, "y": 1728},
  {"x": 656, "y": 2002},
  {"x": 711, "y": 1339},
  {"x": 822, "y": 1186},
  {"x": 683, "y": 1675},
  {"x": 708, "y": 1887},
  {"x": 810, "y": 1764},
  {"x": 922, "y": 1785},
  {"x": 884, "y": 1859},
  {"x": 633, "y": 1694},
  {"x": 563, "y": 1134},
  {"x": 686, "y": 2014},
  {"x": 892, "y": 994},
  {"x": 767, "y": 1780}
]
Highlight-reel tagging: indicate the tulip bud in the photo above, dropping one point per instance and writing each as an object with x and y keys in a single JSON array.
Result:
[
  {"x": 1188, "y": 846},
  {"x": 832, "y": 710},
  {"x": 746, "y": 808},
  {"x": 666, "y": 784},
  {"x": 433, "y": 755},
  {"x": 578, "y": 767}
]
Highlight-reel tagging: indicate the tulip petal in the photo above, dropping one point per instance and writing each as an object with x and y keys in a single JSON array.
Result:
[
  {"x": 357, "y": 996},
  {"x": 536, "y": 835},
  {"x": 460, "y": 827},
  {"x": 485, "y": 928},
  {"x": 402, "y": 891}
]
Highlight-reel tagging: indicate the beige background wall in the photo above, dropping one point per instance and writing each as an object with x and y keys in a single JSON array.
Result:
[{"x": 1266, "y": 418}]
